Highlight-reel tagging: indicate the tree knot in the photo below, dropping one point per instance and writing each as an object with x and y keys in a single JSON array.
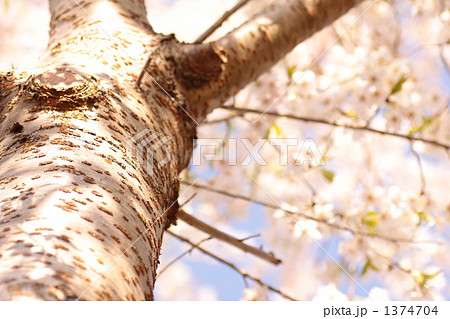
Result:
[{"x": 64, "y": 90}]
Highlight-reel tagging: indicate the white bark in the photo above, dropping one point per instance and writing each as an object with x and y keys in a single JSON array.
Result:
[
  {"x": 73, "y": 200},
  {"x": 74, "y": 204},
  {"x": 210, "y": 73}
]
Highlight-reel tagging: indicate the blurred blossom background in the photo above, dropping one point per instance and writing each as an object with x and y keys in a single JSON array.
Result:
[{"x": 389, "y": 71}]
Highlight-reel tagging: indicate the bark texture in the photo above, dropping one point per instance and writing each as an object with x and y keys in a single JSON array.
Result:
[
  {"x": 80, "y": 216},
  {"x": 211, "y": 72},
  {"x": 72, "y": 197}
]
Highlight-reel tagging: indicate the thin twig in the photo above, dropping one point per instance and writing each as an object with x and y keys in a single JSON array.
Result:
[
  {"x": 232, "y": 266},
  {"x": 214, "y": 232},
  {"x": 141, "y": 75},
  {"x": 220, "y": 120},
  {"x": 250, "y": 237},
  {"x": 182, "y": 255},
  {"x": 383, "y": 63},
  {"x": 332, "y": 123},
  {"x": 191, "y": 249},
  {"x": 419, "y": 163},
  {"x": 188, "y": 200},
  {"x": 408, "y": 271},
  {"x": 220, "y": 21},
  {"x": 444, "y": 61},
  {"x": 306, "y": 216}
]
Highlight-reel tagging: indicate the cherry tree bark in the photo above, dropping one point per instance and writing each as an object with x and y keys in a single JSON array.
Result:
[{"x": 81, "y": 217}]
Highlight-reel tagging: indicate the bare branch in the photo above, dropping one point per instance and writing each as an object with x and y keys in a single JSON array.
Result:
[
  {"x": 141, "y": 75},
  {"x": 232, "y": 266},
  {"x": 220, "y": 21},
  {"x": 419, "y": 163},
  {"x": 173, "y": 261},
  {"x": 384, "y": 62},
  {"x": 307, "y": 216},
  {"x": 188, "y": 200},
  {"x": 333, "y": 123},
  {"x": 220, "y": 120},
  {"x": 444, "y": 61},
  {"x": 214, "y": 232}
]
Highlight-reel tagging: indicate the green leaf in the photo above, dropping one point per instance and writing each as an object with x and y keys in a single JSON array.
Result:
[
  {"x": 276, "y": 129},
  {"x": 426, "y": 122},
  {"x": 398, "y": 86},
  {"x": 422, "y": 278},
  {"x": 291, "y": 70},
  {"x": 329, "y": 175},
  {"x": 423, "y": 217},
  {"x": 351, "y": 114},
  {"x": 368, "y": 266},
  {"x": 371, "y": 220}
]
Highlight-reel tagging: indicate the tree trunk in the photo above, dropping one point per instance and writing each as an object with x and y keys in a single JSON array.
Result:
[{"x": 81, "y": 216}]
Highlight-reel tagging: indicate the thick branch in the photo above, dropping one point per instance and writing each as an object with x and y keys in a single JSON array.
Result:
[
  {"x": 214, "y": 232},
  {"x": 111, "y": 31},
  {"x": 212, "y": 72}
]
